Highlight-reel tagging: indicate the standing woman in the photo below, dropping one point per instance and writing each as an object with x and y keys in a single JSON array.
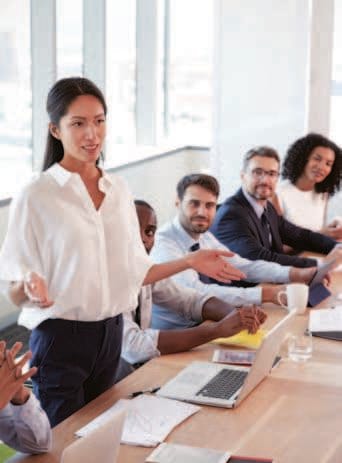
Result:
[
  {"x": 312, "y": 171},
  {"x": 73, "y": 258}
]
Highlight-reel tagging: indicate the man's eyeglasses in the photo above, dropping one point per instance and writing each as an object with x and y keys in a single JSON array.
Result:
[{"x": 259, "y": 173}]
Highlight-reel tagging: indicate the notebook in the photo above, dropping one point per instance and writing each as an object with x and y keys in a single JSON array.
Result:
[
  {"x": 243, "y": 339},
  {"x": 326, "y": 323},
  {"x": 222, "y": 386},
  {"x": 175, "y": 453},
  {"x": 100, "y": 445}
]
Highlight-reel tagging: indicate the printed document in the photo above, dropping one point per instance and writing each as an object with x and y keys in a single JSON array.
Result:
[
  {"x": 326, "y": 319},
  {"x": 149, "y": 419}
]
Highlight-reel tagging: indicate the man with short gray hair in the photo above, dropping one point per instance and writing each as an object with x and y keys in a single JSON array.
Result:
[
  {"x": 196, "y": 202},
  {"x": 248, "y": 223}
]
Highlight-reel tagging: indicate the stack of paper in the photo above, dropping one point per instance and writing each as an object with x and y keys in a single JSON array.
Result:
[
  {"x": 326, "y": 320},
  {"x": 149, "y": 419},
  {"x": 244, "y": 339}
]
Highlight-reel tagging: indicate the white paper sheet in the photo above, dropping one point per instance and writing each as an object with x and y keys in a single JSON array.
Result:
[
  {"x": 149, "y": 419},
  {"x": 175, "y": 453},
  {"x": 326, "y": 319}
]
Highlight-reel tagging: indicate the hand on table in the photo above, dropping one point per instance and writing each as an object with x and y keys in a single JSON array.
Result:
[{"x": 246, "y": 318}]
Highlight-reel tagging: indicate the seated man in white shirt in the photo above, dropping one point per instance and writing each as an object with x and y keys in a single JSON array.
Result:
[
  {"x": 141, "y": 343},
  {"x": 197, "y": 196},
  {"x": 24, "y": 426}
]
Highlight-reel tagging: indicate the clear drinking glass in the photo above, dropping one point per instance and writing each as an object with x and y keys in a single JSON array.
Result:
[{"x": 300, "y": 347}]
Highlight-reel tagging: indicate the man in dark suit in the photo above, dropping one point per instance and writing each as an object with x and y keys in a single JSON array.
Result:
[{"x": 249, "y": 225}]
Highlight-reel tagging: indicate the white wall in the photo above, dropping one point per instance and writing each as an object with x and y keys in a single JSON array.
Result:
[
  {"x": 260, "y": 80},
  {"x": 153, "y": 180}
]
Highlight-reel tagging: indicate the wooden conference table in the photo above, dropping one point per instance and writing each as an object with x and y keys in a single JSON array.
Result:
[{"x": 293, "y": 416}]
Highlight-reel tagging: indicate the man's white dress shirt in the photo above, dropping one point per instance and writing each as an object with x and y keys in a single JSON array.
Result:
[
  {"x": 172, "y": 242},
  {"x": 140, "y": 343},
  {"x": 93, "y": 260}
]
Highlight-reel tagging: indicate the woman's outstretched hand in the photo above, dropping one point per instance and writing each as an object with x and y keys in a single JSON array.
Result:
[{"x": 212, "y": 263}]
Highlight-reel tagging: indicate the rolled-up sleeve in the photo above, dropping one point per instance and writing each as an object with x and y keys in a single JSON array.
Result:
[
  {"x": 20, "y": 250},
  {"x": 180, "y": 299},
  {"x": 138, "y": 345}
]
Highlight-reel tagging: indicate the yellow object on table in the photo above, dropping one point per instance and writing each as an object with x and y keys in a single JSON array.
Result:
[{"x": 243, "y": 339}]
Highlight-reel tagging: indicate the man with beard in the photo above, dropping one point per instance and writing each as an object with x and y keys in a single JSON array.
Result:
[
  {"x": 141, "y": 343},
  {"x": 249, "y": 224},
  {"x": 196, "y": 202}
]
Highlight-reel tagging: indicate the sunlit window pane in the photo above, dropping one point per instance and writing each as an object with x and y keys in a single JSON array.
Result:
[
  {"x": 120, "y": 71},
  {"x": 69, "y": 30},
  {"x": 336, "y": 94},
  {"x": 15, "y": 91},
  {"x": 189, "y": 97}
]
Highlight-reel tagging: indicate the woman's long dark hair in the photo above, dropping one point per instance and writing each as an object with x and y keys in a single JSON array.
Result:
[
  {"x": 298, "y": 154},
  {"x": 61, "y": 95}
]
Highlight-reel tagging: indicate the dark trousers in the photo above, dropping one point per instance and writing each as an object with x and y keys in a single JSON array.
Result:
[
  {"x": 124, "y": 369},
  {"x": 76, "y": 362}
]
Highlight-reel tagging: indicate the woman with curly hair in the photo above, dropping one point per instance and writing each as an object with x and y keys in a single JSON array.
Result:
[{"x": 312, "y": 174}]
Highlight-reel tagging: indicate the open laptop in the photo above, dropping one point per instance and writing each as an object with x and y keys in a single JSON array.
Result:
[
  {"x": 222, "y": 385},
  {"x": 99, "y": 446}
]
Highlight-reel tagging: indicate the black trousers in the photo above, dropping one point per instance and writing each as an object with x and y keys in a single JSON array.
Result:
[{"x": 76, "y": 361}]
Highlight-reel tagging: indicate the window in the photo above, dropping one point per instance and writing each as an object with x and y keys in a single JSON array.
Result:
[
  {"x": 336, "y": 87},
  {"x": 174, "y": 83},
  {"x": 120, "y": 71},
  {"x": 69, "y": 29},
  {"x": 188, "y": 98},
  {"x": 15, "y": 92}
]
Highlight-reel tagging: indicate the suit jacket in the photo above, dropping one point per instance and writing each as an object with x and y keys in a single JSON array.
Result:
[{"x": 237, "y": 226}]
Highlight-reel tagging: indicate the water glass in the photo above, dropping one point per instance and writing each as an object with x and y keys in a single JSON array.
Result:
[{"x": 300, "y": 347}]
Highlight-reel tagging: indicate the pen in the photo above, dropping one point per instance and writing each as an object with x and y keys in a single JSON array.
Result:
[{"x": 150, "y": 390}]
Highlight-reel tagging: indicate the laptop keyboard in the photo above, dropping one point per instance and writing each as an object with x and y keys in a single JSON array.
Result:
[{"x": 224, "y": 385}]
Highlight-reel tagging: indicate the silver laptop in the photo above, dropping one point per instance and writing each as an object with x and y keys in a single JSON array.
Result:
[
  {"x": 99, "y": 446},
  {"x": 222, "y": 385}
]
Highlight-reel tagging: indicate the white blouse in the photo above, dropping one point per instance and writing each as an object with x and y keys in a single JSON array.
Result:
[
  {"x": 304, "y": 208},
  {"x": 93, "y": 260}
]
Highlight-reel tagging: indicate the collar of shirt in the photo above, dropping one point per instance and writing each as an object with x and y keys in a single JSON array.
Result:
[
  {"x": 187, "y": 240},
  {"x": 258, "y": 209},
  {"x": 75, "y": 247},
  {"x": 63, "y": 176}
]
